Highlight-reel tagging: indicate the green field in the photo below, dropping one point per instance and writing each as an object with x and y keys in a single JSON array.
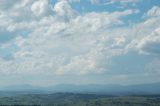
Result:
[{"x": 71, "y": 99}]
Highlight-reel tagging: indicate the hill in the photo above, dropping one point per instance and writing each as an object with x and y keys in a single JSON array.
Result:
[{"x": 72, "y": 99}]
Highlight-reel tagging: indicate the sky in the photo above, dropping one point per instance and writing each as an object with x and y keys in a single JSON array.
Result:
[{"x": 49, "y": 42}]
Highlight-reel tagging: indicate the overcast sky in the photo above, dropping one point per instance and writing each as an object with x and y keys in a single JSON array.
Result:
[{"x": 79, "y": 42}]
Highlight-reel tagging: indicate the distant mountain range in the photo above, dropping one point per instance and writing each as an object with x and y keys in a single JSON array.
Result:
[{"x": 141, "y": 89}]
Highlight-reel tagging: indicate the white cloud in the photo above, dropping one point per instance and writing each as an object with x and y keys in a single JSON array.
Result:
[
  {"x": 150, "y": 43},
  {"x": 41, "y": 7},
  {"x": 61, "y": 41},
  {"x": 154, "y": 11},
  {"x": 64, "y": 10},
  {"x": 77, "y": 46},
  {"x": 146, "y": 34}
]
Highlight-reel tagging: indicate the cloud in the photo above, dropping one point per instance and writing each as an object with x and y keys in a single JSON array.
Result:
[
  {"x": 154, "y": 11},
  {"x": 6, "y": 5},
  {"x": 41, "y": 7},
  {"x": 63, "y": 41},
  {"x": 57, "y": 40},
  {"x": 106, "y": 2},
  {"x": 64, "y": 10},
  {"x": 151, "y": 43},
  {"x": 146, "y": 34}
]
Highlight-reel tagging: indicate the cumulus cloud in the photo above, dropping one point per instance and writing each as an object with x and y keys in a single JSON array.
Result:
[
  {"x": 41, "y": 7},
  {"x": 78, "y": 45},
  {"x": 154, "y": 11},
  {"x": 146, "y": 34},
  {"x": 151, "y": 43},
  {"x": 64, "y": 10},
  {"x": 58, "y": 40}
]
